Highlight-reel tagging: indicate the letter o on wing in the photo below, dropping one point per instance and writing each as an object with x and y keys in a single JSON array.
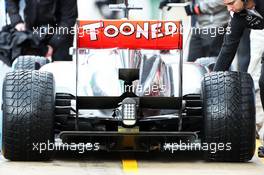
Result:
[
  {"x": 127, "y": 29},
  {"x": 111, "y": 31}
]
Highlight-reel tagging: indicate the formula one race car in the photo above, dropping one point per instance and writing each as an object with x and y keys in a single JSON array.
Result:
[{"x": 124, "y": 97}]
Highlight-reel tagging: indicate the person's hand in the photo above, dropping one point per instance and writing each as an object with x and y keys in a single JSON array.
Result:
[
  {"x": 192, "y": 9},
  {"x": 20, "y": 27},
  {"x": 50, "y": 52}
]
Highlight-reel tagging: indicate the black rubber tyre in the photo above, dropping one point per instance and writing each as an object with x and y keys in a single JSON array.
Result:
[
  {"x": 29, "y": 62},
  {"x": 229, "y": 116},
  {"x": 28, "y": 115}
]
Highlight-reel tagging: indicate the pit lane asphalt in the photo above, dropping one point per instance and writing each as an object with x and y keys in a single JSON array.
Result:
[{"x": 186, "y": 163}]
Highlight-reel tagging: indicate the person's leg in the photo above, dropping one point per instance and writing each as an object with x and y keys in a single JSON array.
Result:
[
  {"x": 195, "y": 49},
  {"x": 243, "y": 52},
  {"x": 260, "y": 119},
  {"x": 261, "y": 82},
  {"x": 257, "y": 49},
  {"x": 62, "y": 53},
  {"x": 257, "y": 57}
]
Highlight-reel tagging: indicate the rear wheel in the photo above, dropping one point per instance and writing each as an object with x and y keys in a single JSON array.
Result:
[
  {"x": 28, "y": 115},
  {"x": 29, "y": 62},
  {"x": 229, "y": 116}
]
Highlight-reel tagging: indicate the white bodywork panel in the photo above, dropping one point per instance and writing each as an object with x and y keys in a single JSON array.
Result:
[{"x": 98, "y": 74}]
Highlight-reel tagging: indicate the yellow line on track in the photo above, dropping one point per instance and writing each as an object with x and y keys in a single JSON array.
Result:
[{"x": 130, "y": 166}]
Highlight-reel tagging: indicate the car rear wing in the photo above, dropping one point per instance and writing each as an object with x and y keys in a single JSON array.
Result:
[{"x": 127, "y": 34}]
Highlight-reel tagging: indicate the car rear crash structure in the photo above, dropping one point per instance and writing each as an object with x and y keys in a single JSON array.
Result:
[{"x": 220, "y": 111}]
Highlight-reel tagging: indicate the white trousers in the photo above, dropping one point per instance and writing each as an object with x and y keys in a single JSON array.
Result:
[{"x": 257, "y": 50}]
